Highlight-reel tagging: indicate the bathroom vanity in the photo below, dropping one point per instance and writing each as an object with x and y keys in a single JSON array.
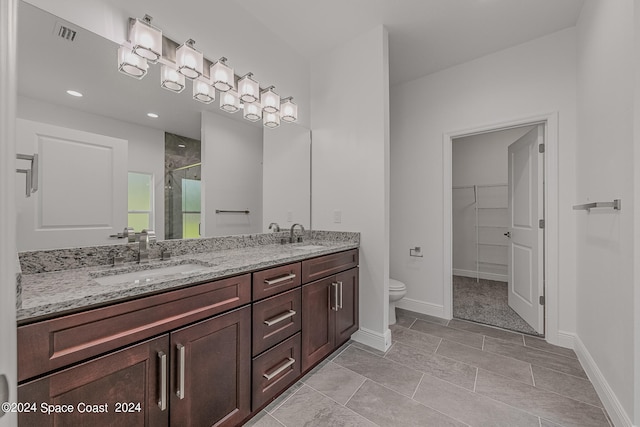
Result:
[{"x": 207, "y": 344}]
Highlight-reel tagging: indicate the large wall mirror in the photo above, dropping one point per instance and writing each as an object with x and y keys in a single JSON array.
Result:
[{"x": 106, "y": 163}]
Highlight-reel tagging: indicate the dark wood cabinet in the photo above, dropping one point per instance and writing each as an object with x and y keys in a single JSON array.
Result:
[
  {"x": 119, "y": 389},
  {"x": 329, "y": 315},
  {"x": 275, "y": 369},
  {"x": 204, "y": 355},
  {"x": 211, "y": 372},
  {"x": 318, "y": 321},
  {"x": 275, "y": 319},
  {"x": 195, "y": 376},
  {"x": 57, "y": 343},
  {"x": 347, "y": 320}
]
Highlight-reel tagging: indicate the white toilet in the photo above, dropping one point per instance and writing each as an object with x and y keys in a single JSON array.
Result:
[{"x": 397, "y": 291}]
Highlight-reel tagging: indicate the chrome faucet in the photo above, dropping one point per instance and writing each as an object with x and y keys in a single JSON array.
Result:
[
  {"x": 299, "y": 238},
  {"x": 144, "y": 238},
  {"x": 274, "y": 226}
]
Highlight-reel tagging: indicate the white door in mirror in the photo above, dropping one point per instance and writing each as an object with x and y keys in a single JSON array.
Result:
[{"x": 82, "y": 188}]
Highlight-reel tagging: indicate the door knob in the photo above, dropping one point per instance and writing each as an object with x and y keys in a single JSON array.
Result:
[{"x": 508, "y": 234}]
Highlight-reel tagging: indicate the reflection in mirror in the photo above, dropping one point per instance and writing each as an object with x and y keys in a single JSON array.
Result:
[
  {"x": 182, "y": 187},
  {"x": 244, "y": 166}
]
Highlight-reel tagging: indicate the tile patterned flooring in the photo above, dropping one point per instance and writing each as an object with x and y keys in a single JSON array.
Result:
[{"x": 442, "y": 373}]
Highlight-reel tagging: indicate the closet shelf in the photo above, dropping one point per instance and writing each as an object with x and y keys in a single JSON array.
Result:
[{"x": 492, "y": 263}]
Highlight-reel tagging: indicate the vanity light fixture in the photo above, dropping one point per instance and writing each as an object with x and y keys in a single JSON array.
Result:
[
  {"x": 248, "y": 89},
  {"x": 146, "y": 40},
  {"x": 271, "y": 120},
  {"x": 189, "y": 60},
  {"x": 222, "y": 77},
  {"x": 131, "y": 64},
  {"x": 171, "y": 80},
  {"x": 203, "y": 92},
  {"x": 270, "y": 100},
  {"x": 146, "y": 44},
  {"x": 74, "y": 93},
  {"x": 252, "y": 111},
  {"x": 152, "y": 115},
  {"x": 288, "y": 110},
  {"x": 229, "y": 101}
]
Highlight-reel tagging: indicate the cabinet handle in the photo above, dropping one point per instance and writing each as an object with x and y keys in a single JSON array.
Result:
[
  {"x": 162, "y": 358},
  {"x": 280, "y": 318},
  {"x": 340, "y": 305},
  {"x": 335, "y": 296},
  {"x": 279, "y": 279},
  {"x": 181, "y": 367},
  {"x": 280, "y": 369}
]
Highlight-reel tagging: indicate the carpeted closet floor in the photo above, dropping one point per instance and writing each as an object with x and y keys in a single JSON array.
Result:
[{"x": 486, "y": 302}]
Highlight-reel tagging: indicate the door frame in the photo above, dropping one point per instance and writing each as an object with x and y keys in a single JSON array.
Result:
[
  {"x": 8, "y": 254},
  {"x": 551, "y": 213}
]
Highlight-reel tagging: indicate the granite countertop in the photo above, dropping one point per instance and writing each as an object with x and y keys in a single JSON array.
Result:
[{"x": 49, "y": 294}]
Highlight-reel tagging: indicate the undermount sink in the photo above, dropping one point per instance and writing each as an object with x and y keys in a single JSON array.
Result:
[
  {"x": 150, "y": 275},
  {"x": 309, "y": 247}
]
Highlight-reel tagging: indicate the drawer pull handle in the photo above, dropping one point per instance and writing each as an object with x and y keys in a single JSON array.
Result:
[
  {"x": 162, "y": 402},
  {"x": 181, "y": 369},
  {"x": 280, "y": 318},
  {"x": 279, "y": 279},
  {"x": 280, "y": 369},
  {"x": 340, "y": 305}
]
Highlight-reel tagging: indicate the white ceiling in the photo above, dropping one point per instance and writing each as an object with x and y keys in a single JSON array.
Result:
[{"x": 425, "y": 36}]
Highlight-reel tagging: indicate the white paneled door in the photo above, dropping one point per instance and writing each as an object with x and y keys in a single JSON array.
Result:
[
  {"x": 82, "y": 187},
  {"x": 525, "y": 210}
]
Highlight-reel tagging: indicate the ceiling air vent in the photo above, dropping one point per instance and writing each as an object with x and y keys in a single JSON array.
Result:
[{"x": 65, "y": 32}]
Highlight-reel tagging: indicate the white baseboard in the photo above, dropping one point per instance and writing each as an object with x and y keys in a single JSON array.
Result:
[
  {"x": 480, "y": 274},
  {"x": 614, "y": 408},
  {"x": 563, "y": 339},
  {"x": 373, "y": 339},
  {"x": 421, "y": 307}
]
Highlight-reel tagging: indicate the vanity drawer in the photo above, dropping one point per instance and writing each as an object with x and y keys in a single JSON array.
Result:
[
  {"x": 317, "y": 268},
  {"x": 275, "y": 370},
  {"x": 275, "y": 280},
  {"x": 275, "y": 319},
  {"x": 52, "y": 344}
]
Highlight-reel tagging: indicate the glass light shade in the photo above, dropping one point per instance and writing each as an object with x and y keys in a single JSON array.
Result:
[
  {"x": 203, "y": 92},
  {"x": 248, "y": 89},
  {"x": 131, "y": 64},
  {"x": 288, "y": 111},
  {"x": 252, "y": 111},
  {"x": 189, "y": 61},
  {"x": 270, "y": 101},
  {"x": 222, "y": 77},
  {"x": 229, "y": 101},
  {"x": 146, "y": 40},
  {"x": 271, "y": 120},
  {"x": 170, "y": 79}
]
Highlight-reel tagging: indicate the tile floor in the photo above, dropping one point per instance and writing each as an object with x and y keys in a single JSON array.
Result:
[{"x": 442, "y": 373}]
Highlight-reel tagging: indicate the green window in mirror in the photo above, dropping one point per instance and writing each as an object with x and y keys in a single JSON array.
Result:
[
  {"x": 140, "y": 201},
  {"x": 190, "y": 208}
]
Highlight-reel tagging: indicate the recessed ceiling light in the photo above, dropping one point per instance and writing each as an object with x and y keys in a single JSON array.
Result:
[
  {"x": 152, "y": 115},
  {"x": 181, "y": 145},
  {"x": 74, "y": 93}
]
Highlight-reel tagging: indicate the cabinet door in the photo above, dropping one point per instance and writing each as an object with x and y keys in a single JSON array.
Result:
[
  {"x": 211, "y": 371},
  {"x": 119, "y": 389},
  {"x": 318, "y": 321},
  {"x": 347, "y": 314}
]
